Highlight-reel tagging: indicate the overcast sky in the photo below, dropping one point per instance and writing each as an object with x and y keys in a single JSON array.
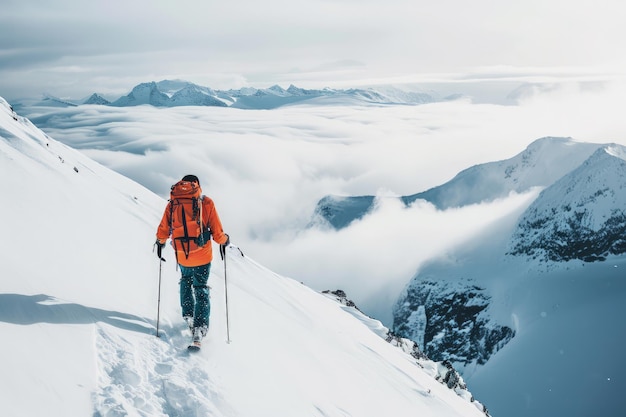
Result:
[{"x": 72, "y": 48}]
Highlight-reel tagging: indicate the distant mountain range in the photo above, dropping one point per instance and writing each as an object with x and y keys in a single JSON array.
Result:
[{"x": 173, "y": 93}]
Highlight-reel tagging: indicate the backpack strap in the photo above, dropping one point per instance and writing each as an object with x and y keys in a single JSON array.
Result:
[
  {"x": 205, "y": 229},
  {"x": 172, "y": 229},
  {"x": 171, "y": 215},
  {"x": 185, "y": 238}
]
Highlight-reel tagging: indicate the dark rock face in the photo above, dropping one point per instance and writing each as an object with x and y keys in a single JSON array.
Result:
[
  {"x": 455, "y": 327},
  {"x": 566, "y": 239}
]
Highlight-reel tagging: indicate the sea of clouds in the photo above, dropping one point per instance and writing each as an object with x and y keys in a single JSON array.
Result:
[{"x": 266, "y": 170}]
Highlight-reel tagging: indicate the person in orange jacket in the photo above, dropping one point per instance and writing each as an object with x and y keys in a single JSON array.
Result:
[{"x": 191, "y": 220}]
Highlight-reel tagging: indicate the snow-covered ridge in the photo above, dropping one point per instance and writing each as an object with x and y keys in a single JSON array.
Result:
[
  {"x": 81, "y": 281},
  {"x": 542, "y": 163},
  {"x": 616, "y": 151},
  {"x": 442, "y": 371}
]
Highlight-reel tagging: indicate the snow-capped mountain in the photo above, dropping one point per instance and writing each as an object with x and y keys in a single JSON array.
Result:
[
  {"x": 582, "y": 216},
  {"x": 542, "y": 163},
  {"x": 79, "y": 301},
  {"x": 200, "y": 96},
  {"x": 579, "y": 215},
  {"x": 172, "y": 93},
  {"x": 561, "y": 253},
  {"x": 97, "y": 99},
  {"x": 146, "y": 93}
]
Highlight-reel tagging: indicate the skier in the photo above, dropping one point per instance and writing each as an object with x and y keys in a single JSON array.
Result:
[{"x": 191, "y": 220}]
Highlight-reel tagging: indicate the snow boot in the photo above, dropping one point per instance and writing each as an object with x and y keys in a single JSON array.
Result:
[{"x": 198, "y": 334}]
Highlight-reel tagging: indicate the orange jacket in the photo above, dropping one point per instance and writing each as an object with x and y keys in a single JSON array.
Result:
[{"x": 197, "y": 255}]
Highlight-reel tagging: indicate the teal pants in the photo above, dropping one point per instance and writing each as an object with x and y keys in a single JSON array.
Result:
[{"x": 194, "y": 293}]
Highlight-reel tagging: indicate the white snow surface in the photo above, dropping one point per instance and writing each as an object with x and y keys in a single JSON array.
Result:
[{"x": 78, "y": 306}]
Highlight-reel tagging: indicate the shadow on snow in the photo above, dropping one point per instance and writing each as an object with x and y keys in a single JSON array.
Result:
[{"x": 32, "y": 309}]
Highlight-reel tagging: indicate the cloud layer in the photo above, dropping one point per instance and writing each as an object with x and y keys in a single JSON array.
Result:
[{"x": 266, "y": 170}]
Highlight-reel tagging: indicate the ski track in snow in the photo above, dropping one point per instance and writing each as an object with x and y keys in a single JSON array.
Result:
[{"x": 137, "y": 372}]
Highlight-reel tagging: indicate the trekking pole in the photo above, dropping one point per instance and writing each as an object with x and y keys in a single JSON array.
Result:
[
  {"x": 226, "y": 294},
  {"x": 159, "y": 297}
]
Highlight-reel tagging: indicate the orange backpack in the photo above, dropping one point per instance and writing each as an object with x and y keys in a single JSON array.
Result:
[{"x": 187, "y": 228}]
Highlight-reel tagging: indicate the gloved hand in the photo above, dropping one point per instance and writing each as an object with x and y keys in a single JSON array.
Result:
[
  {"x": 159, "y": 248},
  {"x": 223, "y": 247}
]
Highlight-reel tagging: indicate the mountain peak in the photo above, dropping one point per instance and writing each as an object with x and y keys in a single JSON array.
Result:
[
  {"x": 544, "y": 161},
  {"x": 144, "y": 93},
  {"x": 581, "y": 216},
  {"x": 96, "y": 99},
  {"x": 616, "y": 151}
]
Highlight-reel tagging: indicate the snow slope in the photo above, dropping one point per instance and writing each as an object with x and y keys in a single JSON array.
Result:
[{"x": 78, "y": 306}]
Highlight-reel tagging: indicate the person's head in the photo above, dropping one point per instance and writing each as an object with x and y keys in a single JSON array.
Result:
[{"x": 191, "y": 178}]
